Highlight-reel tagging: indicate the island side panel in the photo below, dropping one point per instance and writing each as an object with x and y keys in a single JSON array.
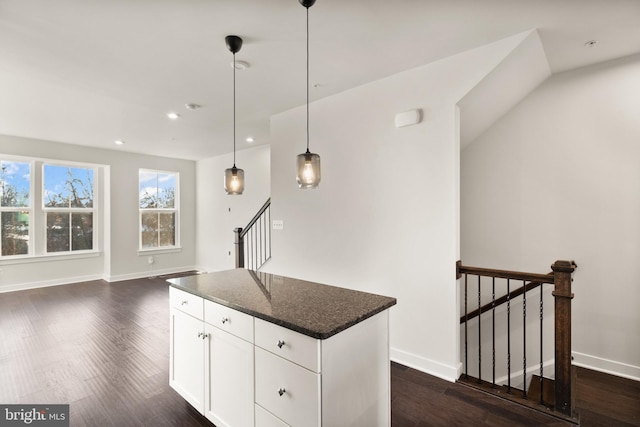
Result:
[{"x": 356, "y": 385}]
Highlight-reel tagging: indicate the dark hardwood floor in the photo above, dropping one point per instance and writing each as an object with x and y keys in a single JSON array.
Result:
[{"x": 104, "y": 349}]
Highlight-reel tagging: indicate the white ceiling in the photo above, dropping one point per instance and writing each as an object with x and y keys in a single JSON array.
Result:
[{"x": 92, "y": 71}]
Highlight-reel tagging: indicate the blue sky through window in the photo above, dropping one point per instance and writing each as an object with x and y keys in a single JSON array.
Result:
[
  {"x": 59, "y": 181},
  {"x": 14, "y": 177}
]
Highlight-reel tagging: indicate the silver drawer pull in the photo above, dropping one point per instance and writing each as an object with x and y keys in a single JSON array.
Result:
[
  {"x": 225, "y": 320},
  {"x": 281, "y": 391},
  {"x": 280, "y": 344},
  {"x": 184, "y": 302}
]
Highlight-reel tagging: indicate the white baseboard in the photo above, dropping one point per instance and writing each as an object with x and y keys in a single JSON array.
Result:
[
  {"x": 145, "y": 274},
  {"x": 437, "y": 369},
  {"x": 47, "y": 283},
  {"x": 607, "y": 366}
]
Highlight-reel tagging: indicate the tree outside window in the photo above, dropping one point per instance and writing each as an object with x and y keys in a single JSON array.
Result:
[
  {"x": 15, "y": 207},
  {"x": 159, "y": 207},
  {"x": 68, "y": 199}
]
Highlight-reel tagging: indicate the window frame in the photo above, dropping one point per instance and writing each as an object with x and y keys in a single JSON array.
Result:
[
  {"x": 31, "y": 240},
  {"x": 37, "y": 217},
  {"x": 175, "y": 210},
  {"x": 70, "y": 210}
]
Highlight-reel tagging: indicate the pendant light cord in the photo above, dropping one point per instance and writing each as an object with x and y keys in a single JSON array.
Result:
[
  {"x": 307, "y": 80},
  {"x": 234, "y": 110}
]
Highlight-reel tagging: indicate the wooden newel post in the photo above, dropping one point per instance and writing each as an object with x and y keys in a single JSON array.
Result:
[
  {"x": 564, "y": 381},
  {"x": 239, "y": 242}
]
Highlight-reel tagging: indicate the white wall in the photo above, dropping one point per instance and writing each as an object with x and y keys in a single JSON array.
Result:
[
  {"x": 119, "y": 258},
  {"x": 385, "y": 218},
  {"x": 558, "y": 177},
  {"x": 218, "y": 213}
]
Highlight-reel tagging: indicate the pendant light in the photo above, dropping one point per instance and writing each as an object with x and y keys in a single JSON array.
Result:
[
  {"x": 234, "y": 177},
  {"x": 308, "y": 163}
]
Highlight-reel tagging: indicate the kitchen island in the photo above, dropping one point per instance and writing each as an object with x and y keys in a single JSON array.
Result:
[{"x": 256, "y": 349}]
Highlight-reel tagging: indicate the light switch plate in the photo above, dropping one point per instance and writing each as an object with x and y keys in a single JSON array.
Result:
[{"x": 278, "y": 224}]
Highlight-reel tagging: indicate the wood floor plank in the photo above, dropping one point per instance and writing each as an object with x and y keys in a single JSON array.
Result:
[{"x": 103, "y": 348}]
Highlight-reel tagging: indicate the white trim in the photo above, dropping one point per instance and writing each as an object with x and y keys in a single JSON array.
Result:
[
  {"x": 431, "y": 367},
  {"x": 145, "y": 274},
  {"x": 607, "y": 366},
  {"x": 154, "y": 251},
  {"x": 47, "y": 283},
  {"x": 52, "y": 256}
]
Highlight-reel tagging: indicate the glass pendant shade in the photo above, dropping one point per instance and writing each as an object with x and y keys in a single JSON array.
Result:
[
  {"x": 234, "y": 181},
  {"x": 308, "y": 170}
]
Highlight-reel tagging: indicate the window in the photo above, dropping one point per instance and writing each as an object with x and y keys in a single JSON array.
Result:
[
  {"x": 159, "y": 209},
  {"x": 15, "y": 207},
  {"x": 68, "y": 198}
]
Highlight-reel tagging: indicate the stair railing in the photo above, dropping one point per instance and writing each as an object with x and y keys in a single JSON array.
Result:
[
  {"x": 253, "y": 242},
  {"x": 560, "y": 278}
]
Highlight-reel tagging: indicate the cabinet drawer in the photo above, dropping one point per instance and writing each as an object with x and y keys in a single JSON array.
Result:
[
  {"x": 266, "y": 419},
  {"x": 186, "y": 302},
  {"x": 289, "y": 391},
  {"x": 291, "y": 345},
  {"x": 229, "y": 320}
]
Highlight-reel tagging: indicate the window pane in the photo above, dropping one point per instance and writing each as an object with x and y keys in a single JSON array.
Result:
[
  {"x": 15, "y": 233},
  {"x": 82, "y": 234},
  {"x": 68, "y": 187},
  {"x": 14, "y": 183},
  {"x": 57, "y": 232},
  {"x": 149, "y": 230},
  {"x": 166, "y": 190},
  {"x": 148, "y": 189},
  {"x": 167, "y": 229}
]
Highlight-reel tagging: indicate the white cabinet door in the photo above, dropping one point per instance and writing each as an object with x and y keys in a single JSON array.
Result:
[
  {"x": 187, "y": 358},
  {"x": 229, "y": 379}
]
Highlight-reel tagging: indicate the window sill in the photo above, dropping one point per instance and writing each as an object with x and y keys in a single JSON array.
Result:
[
  {"x": 49, "y": 257},
  {"x": 155, "y": 251}
]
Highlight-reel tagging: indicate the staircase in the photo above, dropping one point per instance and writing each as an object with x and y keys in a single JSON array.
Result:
[
  {"x": 506, "y": 333},
  {"x": 253, "y": 242}
]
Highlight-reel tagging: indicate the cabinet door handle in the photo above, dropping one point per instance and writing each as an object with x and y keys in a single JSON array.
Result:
[
  {"x": 200, "y": 334},
  {"x": 280, "y": 343},
  {"x": 204, "y": 336},
  {"x": 225, "y": 320},
  {"x": 281, "y": 391},
  {"x": 184, "y": 302}
]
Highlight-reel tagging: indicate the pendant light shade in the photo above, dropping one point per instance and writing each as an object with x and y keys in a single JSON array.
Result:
[
  {"x": 308, "y": 163},
  {"x": 233, "y": 176}
]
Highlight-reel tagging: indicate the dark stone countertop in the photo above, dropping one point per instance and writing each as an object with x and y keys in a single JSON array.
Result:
[{"x": 313, "y": 309}]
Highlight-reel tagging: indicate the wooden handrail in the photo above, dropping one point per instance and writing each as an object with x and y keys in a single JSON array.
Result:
[
  {"x": 503, "y": 274},
  {"x": 255, "y": 218}
]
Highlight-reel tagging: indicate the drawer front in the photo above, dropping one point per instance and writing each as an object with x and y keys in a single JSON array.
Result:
[
  {"x": 290, "y": 392},
  {"x": 266, "y": 419},
  {"x": 229, "y": 320},
  {"x": 291, "y": 345},
  {"x": 186, "y": 302}
]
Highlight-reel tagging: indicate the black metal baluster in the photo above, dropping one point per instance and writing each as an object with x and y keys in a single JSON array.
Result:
[
  {"x": 541, "y": 353},
  {"x": 524, "y": 341},
  {"x": 508, "y": 335},
  {"x": 493, "y": 327},
  {"x": 466, "y": 323},
  {"x": 479, "y": 332}
]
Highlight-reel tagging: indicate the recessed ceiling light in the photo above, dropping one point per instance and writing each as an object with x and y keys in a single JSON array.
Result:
[
  {"x": 192, "y": 106},
  {"x": 591, "y": 43},
  {"x": 118, "y": 142},
  {"x": 250, "y": 139},
  {"x": 173, "y": 116},
  {"x": 240, "y": 65}
]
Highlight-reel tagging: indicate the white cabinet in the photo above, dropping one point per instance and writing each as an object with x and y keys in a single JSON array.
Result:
[
  {"x": 211, "y": 367},
  {"x": 228, "y": 367},
  {"x": 343, "y": 380},
  {"x": 186, "y": 366}
]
